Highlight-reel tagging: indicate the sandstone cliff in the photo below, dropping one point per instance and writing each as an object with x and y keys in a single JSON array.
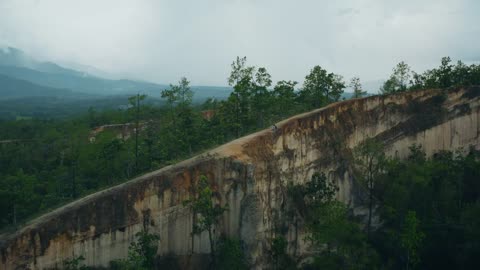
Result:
[{"x": 250, "y": 174}]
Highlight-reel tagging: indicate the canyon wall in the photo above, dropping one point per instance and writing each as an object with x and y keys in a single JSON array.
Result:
[{"x": 249, "y": 174}]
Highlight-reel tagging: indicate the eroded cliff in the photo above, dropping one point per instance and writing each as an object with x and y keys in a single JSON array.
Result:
[{"x": 250, "y": 175}]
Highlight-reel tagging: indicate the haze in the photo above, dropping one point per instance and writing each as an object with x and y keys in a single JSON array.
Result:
[{"x": 160, "y": 41}]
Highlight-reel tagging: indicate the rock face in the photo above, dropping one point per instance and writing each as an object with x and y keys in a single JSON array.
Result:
[{"x": 250, "y": 175}]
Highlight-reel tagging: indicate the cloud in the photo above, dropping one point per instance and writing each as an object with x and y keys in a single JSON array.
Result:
[{"x": 164, "y": 40}]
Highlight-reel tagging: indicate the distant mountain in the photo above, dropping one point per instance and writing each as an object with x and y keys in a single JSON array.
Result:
[
  {"x": 93, "y": 71},
  {"x": 16, "y": 64},
  {"x": 79, "y": 82},
  {"x": 15, "y": 88},
  {"x": 17, "y": 58}
]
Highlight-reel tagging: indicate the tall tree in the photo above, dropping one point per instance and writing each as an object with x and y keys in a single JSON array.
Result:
[
  {"x": 357, "y": 87},
  {"x": 399, "y": 80},
  {"x": 445, "y": 75},
  {"x": 240, "y": 71},
  {"x": 206, "y": 212},
  {"x": 18, "y": 190},
  {"x": 284, "y": 98},
  {"x": 134, "y": 102},
  {"x": 369, "y": 162},
  {"x": 109, "y": 151},
  {"x": 184, "y": 92},
  {"x": 72, "y": 157},
  {"x": 402, "y": 72},
  {"x": 321, "y": 88},
  {"x": 242, "y": 79},
  {"x": 411, "y": 238},
  {"x": 261, "y": 96},
  {"x": 185, "y": 114},
  {"x": 338, "y": 242},
  {"x": 179, "y": 98},
  {"x": 141, "y": 253}
]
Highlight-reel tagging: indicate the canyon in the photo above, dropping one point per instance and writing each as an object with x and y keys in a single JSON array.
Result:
[{"x": 250, "y": 175}]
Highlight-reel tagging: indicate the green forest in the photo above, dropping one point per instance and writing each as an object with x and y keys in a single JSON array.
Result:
[{"x": 429, "y": 207}]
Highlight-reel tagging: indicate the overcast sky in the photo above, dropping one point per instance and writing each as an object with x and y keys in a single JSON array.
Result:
[{"x": 161, "y": 41}]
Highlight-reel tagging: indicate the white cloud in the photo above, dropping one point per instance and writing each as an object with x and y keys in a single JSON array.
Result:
[{"x": 163, "y": 40}]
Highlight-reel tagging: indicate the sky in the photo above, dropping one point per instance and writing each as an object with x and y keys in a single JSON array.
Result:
[{"x": 161, "y": 41}]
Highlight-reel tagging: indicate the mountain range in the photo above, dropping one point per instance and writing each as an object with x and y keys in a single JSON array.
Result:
[
  {"x": 17, "y": 64},
  {"x": 26, "y": 83}
]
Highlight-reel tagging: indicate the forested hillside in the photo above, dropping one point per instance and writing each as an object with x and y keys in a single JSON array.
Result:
[{"x": 11, "y": 88}]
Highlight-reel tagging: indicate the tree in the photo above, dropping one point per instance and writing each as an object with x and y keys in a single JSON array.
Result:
[
  {"x": 144, "y": 250},
  {"x": 242, "y": 80},
  {"x": 75, "y": 263},
  {"x": 402, "y": 73},
  {"x": 423, "y": 202},
  {"x": 313, "y": 193},
  {"x": 180, "y": 94},
  {"x": 389, "y": 86},
  {"x": 134, "y": 102},
  {"x": 418, "y": 81},
  {"x": 357, "y": 88},
  {"x": 369, "y": 159},
  {"x": 179, "y": 98},
  {"x": 319, "y": 198},
  {"x": 284, "y": 98},
  {"x": 445, "y": 73},
  {"x": 262, "y": 78},
  {"x": 411, "y": 238},
  {"x": 230, "y": 255},
  {"x": 185, "y": 94},
  {"x": 261, "y": 97},
  {"x": 321, "y": 88},
  {"x": 150, "y": 140},
  {"x": 279, "y": 257},
  {"x": 338, "y": 241},
  {"x": 461, "y": 74},
  {"x": 109, "y": 158},
  {"x": 18, "y": 191},
  {"x": 205, "y": 211},
  {"x": 240, "y": 71},
  {"x": 399, "y": 80},
  {"x": 73, "y": 143},
  {"x": 141, "y": 253}
]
